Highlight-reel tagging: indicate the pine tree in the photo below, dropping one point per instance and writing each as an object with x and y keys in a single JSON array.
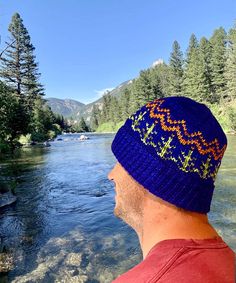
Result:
[
  {"x": 11, "y": 126},
  {"x": 190, "y": 84},
  {"x": 162, "y": 72},
  {"x": 12, "y": 69},
  {"x": 82, "y": 126},
  {"x": 204, "y": 70},
  {"x": 196, "y": 80},
  {"x": 8, "y": 102},
  {"x": 125, "y": 104},
  {"x": 218, "y": 59},
  {"x": 155, "y": 78},
  {"x": 176, "y": 70},
  {"x": 115, "y": 111},
  {"x": 106, "y": 105},
  {"x": 134, "y": 105},
  {"x": 142, "y": 89},
  {"x": 19, "y": 69},
  {"x": 60, "y": 120},
  {"x": 230, "y": 71},
  {"x": 42, "y": 120},
  {"x": 193, "y": 45},
  {"x": 32, "y": 87},
  {"x": 95, "y": 117}
]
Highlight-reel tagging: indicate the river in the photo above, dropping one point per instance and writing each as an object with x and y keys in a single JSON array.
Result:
[{"x": 62, "y": 227}]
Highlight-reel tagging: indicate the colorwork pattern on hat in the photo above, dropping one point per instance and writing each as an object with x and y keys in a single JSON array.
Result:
[
  {"x": 155, "y": 119},
  {"x": 173, "y": 147}
]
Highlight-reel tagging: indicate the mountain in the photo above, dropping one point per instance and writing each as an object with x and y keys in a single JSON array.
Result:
[
  {"x": 65, "y": 107},
  {"x": 87, "y": 109},
  {"x": 72, "y": 108}
]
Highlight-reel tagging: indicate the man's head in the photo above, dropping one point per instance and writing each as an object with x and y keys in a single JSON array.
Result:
[
  {"x": 130, "y": 196},
  {"x": 173, "y": 148},
  {"x": 132, "y": 200}
]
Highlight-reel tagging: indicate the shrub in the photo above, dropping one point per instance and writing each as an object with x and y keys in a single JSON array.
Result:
[{"x": 25, "y": 139}]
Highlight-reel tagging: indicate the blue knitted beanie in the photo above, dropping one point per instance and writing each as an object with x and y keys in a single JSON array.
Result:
[{"x": 173, "y": 147}]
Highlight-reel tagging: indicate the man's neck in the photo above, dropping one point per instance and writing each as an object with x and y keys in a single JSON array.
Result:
[{"x": 173, "y": 226}]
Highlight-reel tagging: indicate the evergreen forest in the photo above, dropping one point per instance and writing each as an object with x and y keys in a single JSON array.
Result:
[{"x": 206, "y": 72}]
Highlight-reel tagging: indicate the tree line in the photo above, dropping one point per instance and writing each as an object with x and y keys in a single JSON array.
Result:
[
  {"x": 23, "y": 110},
  {"x": 206, "y": 73}
]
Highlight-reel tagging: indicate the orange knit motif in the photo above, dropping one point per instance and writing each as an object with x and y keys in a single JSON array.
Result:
[{"x": 180, "y": 128}]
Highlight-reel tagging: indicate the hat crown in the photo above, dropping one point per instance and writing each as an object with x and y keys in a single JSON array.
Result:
[
  {"x": 173, "y": 146},
  {"x": 182, "y": 130}
]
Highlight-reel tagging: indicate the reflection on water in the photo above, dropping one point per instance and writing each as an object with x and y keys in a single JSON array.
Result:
[{"x": 62, "y": 228}]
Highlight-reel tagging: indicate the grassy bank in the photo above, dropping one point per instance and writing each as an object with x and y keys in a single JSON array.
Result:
[
  {"x": 225, "y": 113},
  {"x": 109, "y": 127}
]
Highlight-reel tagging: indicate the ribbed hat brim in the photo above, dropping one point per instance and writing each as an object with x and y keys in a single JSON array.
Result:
[{"x": 161, "y": 177}]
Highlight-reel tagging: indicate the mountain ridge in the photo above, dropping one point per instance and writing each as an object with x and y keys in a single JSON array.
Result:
[{"x": 71, "y": 108}]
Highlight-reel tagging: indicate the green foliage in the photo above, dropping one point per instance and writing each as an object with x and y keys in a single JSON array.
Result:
[
  {"x": 230, "y": 71},
  {"x": 111, "y": 110},
  {"x": 204, "y": 70},
  {"x": 176, "y": 70},
  {"x": 206, "y": 74},
  {"x": 109, "y": 127},
  {"x": 57, "y": 129},
  {"x": 54, "y": 131},
  {"x": 225, "y": 113},
  {"x": 115, "y": 111},
  {"x": 218, "y": 63},
  {"x": 42, "y": 121},
  {"x": 95, "y": 116},
  {"x": 142, "y": 89},
  {"x": 4, "y": 147},
  {"x": 22, "y": 110},
  {"x": 124, "y": 104},
  {"x": 14, "y": 120},
  {"x": 161, "y": 71},
  {"x": 193, "y": 84},
  {"x": 25, "y": 139},
  {"x": 232, "y": 118},
  {"x": 105, "y": 114},
  {"x": 83, "y": 126},
  {"x": 150, "y": 85},
  {"x": 51, "y": 134},
  {"x": 80, "y": 127},
  {"x": 19, "y": 68}
]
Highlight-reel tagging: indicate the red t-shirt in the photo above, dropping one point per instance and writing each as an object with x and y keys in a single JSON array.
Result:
[{"x": 184, "y": 261}]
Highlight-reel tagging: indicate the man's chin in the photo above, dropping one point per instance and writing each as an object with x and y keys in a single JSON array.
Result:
[{"x": 117, "y": 212}]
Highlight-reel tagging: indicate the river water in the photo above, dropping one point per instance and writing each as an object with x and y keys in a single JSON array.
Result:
[{"x": 62, "y": 227}]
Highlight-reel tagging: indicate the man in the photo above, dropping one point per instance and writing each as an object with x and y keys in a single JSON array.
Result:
[{"x": 168, "y": 156}]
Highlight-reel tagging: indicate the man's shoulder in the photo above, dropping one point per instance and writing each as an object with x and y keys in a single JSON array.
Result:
[{"x": 183, "y": 261}]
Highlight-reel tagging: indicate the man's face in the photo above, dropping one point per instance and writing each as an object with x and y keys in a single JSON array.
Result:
[{"x": 129, "y": 196}]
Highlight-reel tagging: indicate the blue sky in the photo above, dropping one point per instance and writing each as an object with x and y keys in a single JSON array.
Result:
[{"x": 86, "y": 46}]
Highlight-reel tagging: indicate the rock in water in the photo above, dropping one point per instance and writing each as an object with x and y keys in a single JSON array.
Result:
[{"x": 6, "y": 262}]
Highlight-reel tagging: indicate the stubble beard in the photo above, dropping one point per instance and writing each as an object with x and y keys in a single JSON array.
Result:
[{"x": 130, "y": 217}]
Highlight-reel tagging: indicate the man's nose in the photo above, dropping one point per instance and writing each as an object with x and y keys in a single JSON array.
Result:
[{"x": 109, "y": 176}]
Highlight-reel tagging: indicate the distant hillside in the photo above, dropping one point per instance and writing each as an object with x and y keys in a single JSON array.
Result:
[
  {"x": 87, "y": 110},
  {"x": 65, "y": 107},
  {"x": 72, "y": 108}
]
